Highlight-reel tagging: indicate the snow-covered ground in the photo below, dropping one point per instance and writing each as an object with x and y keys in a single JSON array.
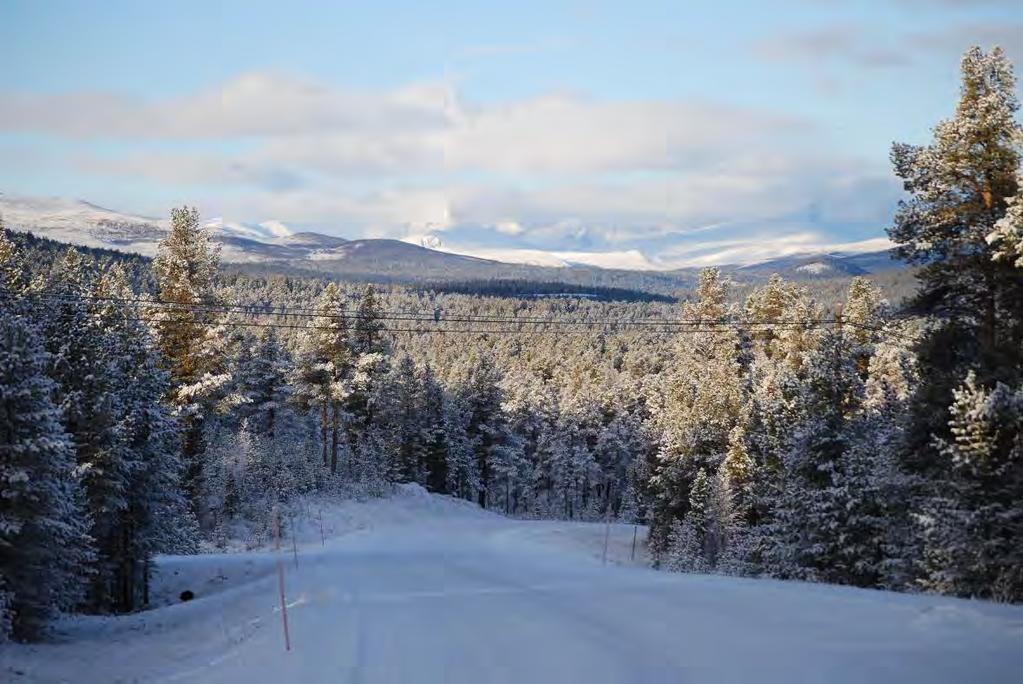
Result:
[{"x": 420, "y": 588}]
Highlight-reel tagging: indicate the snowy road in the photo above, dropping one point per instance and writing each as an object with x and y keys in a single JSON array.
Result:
[{"x": 481, "y": 599}]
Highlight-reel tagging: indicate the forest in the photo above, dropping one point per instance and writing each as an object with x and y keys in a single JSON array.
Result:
[{"x": 780, "y": 429}]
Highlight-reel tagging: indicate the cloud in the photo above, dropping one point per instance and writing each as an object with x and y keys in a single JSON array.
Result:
[
  {"x": 288, "y": 128},
  {"x": 1008, "y": 35},
  {"x": 873, "y": 47},
  {"x": 560, "y": 173},
  {"x": 251, "y": 105}
]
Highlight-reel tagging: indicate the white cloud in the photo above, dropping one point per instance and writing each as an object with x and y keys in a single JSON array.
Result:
[
  {"x": 571, "y": 178},
  {"x": 255, "y": 104}
]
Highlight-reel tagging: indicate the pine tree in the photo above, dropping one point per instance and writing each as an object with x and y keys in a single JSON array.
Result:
[
  {"x": 367, "y": 329},
  {"x": 13, "y": 273},
  {"x": 84, "y": 363},
  {"x": 324, "y": 370},
  {"x": 738, "y": 471},
  {"x": 408, "y": 410},
  {"x": 974, "y": 542},
  {"x": 45, "y": 548},
  {"x": 862, "y": 320},
  {"x": 155, "y": 517},
  {"x": 704, "y": 398},
  {"x": 438, "y": 443},
  {"x": 962, "y": 189},
  {"x": 184, "y": 269},
  {"x": 1007, "y": 236},
  {"x": 261, "y": 381},
  {"x": 687, "y": 550},
  {"x": 809, "y": 518}
]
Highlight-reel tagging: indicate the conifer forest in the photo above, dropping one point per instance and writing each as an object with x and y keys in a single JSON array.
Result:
[{"x": 861, "y": 430}]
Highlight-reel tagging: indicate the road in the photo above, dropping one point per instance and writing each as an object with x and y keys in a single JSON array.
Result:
[{"x": 490, "y": 600}]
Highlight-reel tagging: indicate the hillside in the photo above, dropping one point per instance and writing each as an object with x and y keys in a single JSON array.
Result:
[{"x": 273, "y": 248}]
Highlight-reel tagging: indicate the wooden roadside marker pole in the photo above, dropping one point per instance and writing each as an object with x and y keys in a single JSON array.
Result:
[
  {"x": 294, "y": 540},
  {"x": 607, "y": 525},
  {"x": 280, "y": 577}
]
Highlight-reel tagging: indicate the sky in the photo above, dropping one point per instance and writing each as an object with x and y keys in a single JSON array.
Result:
[{"x": 642, "y": 134}]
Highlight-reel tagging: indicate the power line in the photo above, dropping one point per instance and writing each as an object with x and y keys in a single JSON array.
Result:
[
  {"x": 301, "y": 312},
  {"x": 593, "y": 327},
  {"x": 497, "y": 331}
]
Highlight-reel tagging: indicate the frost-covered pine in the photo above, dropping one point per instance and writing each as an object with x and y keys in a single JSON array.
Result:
[
  {"x": 438, "y": 443},
  {"x": 687, "y": 542},
  {"x": 155, "y": 517},
  {"x": 184, "y": 268},
  {"x": 738, "y": 471},
  {"x": 13, "y": 273},
  {"x": 407, "y": 415},
  {"x": 974, "y": 543},
  {"x": 1007, "y": 236},
  {"x": 704, "y": 397},
  {"x": 261, "y": 382},
  {"x": 45, "y": 549},
  {"x": 863, "y": 320},
  {"x": 478, "y": 398},
  {"x": 184, "y": 328},
  {"x": 323, "y": 371},
  {"x": 807, "y": 533},
  {"x": 367, "y": 337},
  {"x": 962, "y": 190},
  {"x": 87, "y": 369}
]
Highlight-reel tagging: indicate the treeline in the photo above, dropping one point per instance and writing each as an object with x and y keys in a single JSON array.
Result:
[{"x": 528, "y": 289}]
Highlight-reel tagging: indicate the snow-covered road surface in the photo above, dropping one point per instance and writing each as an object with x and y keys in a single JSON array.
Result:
[{"x": 469, "y": 597}]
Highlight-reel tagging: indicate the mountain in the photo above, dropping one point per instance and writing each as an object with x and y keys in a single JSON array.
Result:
[
  {"x": 83, "y": 223},
  {"x": 273, "y": 246},
  {"x": 807, "y": 266}
]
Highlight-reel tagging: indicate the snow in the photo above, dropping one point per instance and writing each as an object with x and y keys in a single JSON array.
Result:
[
  {"x": 425, "y": 588},
  {"x": 816, "y": 268}
]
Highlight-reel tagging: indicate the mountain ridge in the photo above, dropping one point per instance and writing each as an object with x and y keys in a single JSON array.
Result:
[{"x": 88, "y": 224}]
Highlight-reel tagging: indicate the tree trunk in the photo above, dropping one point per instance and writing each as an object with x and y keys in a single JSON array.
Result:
[
  {"x": 333, "y": 440},
  {"x": 323, "y": 430}
]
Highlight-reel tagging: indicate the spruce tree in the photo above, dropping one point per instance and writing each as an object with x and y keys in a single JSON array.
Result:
[{"x": 45, "y": 549}]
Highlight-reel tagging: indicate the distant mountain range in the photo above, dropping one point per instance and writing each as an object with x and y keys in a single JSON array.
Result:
[{"x": 273, "y": 243}]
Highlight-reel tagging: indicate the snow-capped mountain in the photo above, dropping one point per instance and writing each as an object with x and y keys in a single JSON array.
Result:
[
  {"x": 79, "y": 222},
  {"x": 83, "y": 223}
]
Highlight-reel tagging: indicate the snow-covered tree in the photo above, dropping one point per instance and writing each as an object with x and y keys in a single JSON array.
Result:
[
  {"x": 262, "y": 384},
  {"x": 1007, "y": 236},
  {"x": 974, "y": 540},
  {"x": 154, "y": 516},
  {"x": 962, "y": 191},
  {"x": 45, "y": 549},
  {"x": 324, "y": 368},
  {"x": 183, "y": 323},
  {"x": 479, "y": 398},
  {"x": 705, "y": 395}
]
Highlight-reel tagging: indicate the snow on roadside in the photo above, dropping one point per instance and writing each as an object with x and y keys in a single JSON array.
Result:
[
  {"x": 211, "y": 573},
  {"x": 234, "y": 595},
  {"x": 583, "y": 538}
]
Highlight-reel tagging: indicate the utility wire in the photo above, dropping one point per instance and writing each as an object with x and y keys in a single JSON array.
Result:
[{"x": 301, "y": 312}]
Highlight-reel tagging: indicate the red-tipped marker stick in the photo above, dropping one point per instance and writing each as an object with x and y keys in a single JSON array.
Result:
[{"x": 280, "y": 578}]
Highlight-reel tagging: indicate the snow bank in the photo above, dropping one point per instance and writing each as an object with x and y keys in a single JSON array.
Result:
[{"x": 417, "y": 587}]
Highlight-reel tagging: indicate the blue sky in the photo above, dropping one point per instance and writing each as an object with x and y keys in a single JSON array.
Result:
[{"x": 662, "y": 131}]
